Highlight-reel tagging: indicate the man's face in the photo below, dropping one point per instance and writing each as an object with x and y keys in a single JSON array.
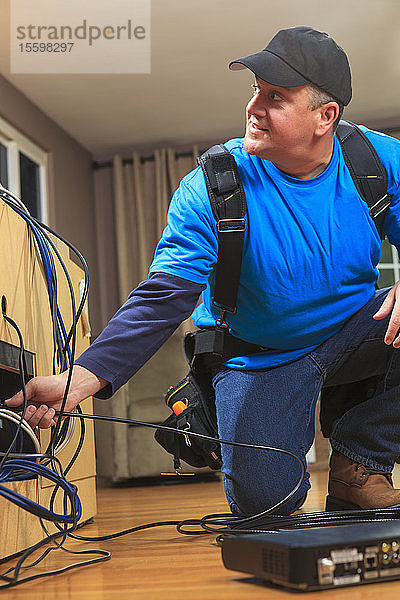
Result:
[{"x": 280, "y": 123}]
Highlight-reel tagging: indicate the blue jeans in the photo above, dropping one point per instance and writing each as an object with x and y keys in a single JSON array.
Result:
[{"x": 276, "y": 407}]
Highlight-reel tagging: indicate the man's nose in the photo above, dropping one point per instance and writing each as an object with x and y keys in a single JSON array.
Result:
[{"x": 256, "y": 106}]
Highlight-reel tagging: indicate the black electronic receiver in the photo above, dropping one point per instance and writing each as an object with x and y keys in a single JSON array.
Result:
[{"x": 318, "y": 559}]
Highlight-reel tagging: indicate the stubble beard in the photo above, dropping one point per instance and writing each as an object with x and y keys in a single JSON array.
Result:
[{"x": 255, "y": 147}]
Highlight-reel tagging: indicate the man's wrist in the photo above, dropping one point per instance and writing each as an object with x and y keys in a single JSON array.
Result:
[{"x": 84, "y": 383}]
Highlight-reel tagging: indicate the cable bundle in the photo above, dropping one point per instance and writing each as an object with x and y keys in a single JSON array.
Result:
[
  {"x": 48, "y": 252},
  {"x": 16, "y": 465},
  {"x": 33, "y": 470}
]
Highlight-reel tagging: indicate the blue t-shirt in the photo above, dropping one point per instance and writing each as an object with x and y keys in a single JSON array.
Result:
[{"x": 310, "y": 251}]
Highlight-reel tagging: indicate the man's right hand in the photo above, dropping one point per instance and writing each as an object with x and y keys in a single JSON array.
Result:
[{"x": 45, "y": 395}]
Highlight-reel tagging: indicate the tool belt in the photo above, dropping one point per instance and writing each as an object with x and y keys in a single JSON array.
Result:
[
  {"x": 199, "y": 417},
  {"x": 206, "y": 350}
]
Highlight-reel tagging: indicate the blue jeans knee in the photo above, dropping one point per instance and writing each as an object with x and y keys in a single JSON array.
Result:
[{"x": 246, "y": 501}]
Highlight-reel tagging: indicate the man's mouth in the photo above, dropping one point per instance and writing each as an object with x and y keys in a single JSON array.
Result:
[{"x": 255, "y": 127}]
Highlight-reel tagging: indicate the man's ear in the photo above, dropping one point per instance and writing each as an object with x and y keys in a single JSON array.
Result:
[{"x": 328, "y": 113}]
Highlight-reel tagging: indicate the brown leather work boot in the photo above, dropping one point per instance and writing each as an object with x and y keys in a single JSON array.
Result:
[{"x": 353, "y": 486}]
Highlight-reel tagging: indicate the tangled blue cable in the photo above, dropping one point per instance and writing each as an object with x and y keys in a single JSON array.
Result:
[
  {"x": 49, "y": 269},
  {"x": 32, "y": 469}
]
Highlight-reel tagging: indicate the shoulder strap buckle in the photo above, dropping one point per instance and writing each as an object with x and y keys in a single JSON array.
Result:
[{"x": 234, "y": 225}]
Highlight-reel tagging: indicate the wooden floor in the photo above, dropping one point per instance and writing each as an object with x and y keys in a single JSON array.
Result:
[{"x": 160, "y": 563}]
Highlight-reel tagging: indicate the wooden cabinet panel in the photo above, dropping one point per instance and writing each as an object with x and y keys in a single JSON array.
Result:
[{"x": 23, "y": 284}]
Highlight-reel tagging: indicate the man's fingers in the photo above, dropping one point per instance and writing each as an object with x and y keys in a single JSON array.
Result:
[
  {"x": 396, "y": 343},
  {"x": 47, "y": 419},
  {"x": 393, "y": 327},
  {"x": 386, "y": 307},
  {"x": 41, "y": 416}
]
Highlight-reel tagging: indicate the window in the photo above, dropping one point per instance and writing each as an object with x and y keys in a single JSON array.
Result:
[
  {"x": 23, "y": 169},
  {"x": 389, "y": 266},
  {"x": 3, "y": 166},
  {"x": 30, "y": 184}
]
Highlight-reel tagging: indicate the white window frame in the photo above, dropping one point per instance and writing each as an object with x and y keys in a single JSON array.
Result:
[
  {"x": 393, "y": 266},
  {"x": 17, "y": 142}
]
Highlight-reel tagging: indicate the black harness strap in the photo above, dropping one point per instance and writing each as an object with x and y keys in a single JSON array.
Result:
[
  {"x": 368, "y": 173},
  {"x": 225, "y": 345},
  {"x": 228, "y": 203}
]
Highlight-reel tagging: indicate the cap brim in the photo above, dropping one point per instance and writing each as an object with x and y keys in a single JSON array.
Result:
[{"x": 269, "y": 68}]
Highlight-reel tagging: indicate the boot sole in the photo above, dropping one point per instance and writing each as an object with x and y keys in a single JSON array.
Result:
[{"x": 333, "y": 504}]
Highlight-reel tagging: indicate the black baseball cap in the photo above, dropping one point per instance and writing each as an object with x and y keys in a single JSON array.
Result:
[{"x": 302, "y": 55}]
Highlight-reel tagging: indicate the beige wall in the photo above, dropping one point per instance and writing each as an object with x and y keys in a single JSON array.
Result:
[
  {"x": 70, "y": 178},
  {"x": 71, "y": 212}
]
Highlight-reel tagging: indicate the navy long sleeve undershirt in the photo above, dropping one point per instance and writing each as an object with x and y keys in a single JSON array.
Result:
[{"x": 139, "y": 328}]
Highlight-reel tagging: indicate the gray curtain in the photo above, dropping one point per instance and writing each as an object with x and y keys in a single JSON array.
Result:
[{"x": 132, "y": 201}]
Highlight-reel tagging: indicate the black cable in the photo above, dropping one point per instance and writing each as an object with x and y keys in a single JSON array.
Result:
[
  {"x": 63, "y": 472},
  {"x": 218, "y": 441},
  {"x": 64, "y": 538},
  {"x": 80, "y": 441},
  {"x": 103, "y": 555},
  {"x": 42, "y": 226},
  {"x": 14, "y": 580},
  {"x": 60, "y": 545},
  {"x": 37, "y": 508},
  {"x": 226, "y": 522},
  {"x": 71, "y": 337},
  {"x": 22, "y": 372},
  {"x": 80, "y": 258},
  {"x": 40, "y": 231},
  {"x": 111, "y": 536}
]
